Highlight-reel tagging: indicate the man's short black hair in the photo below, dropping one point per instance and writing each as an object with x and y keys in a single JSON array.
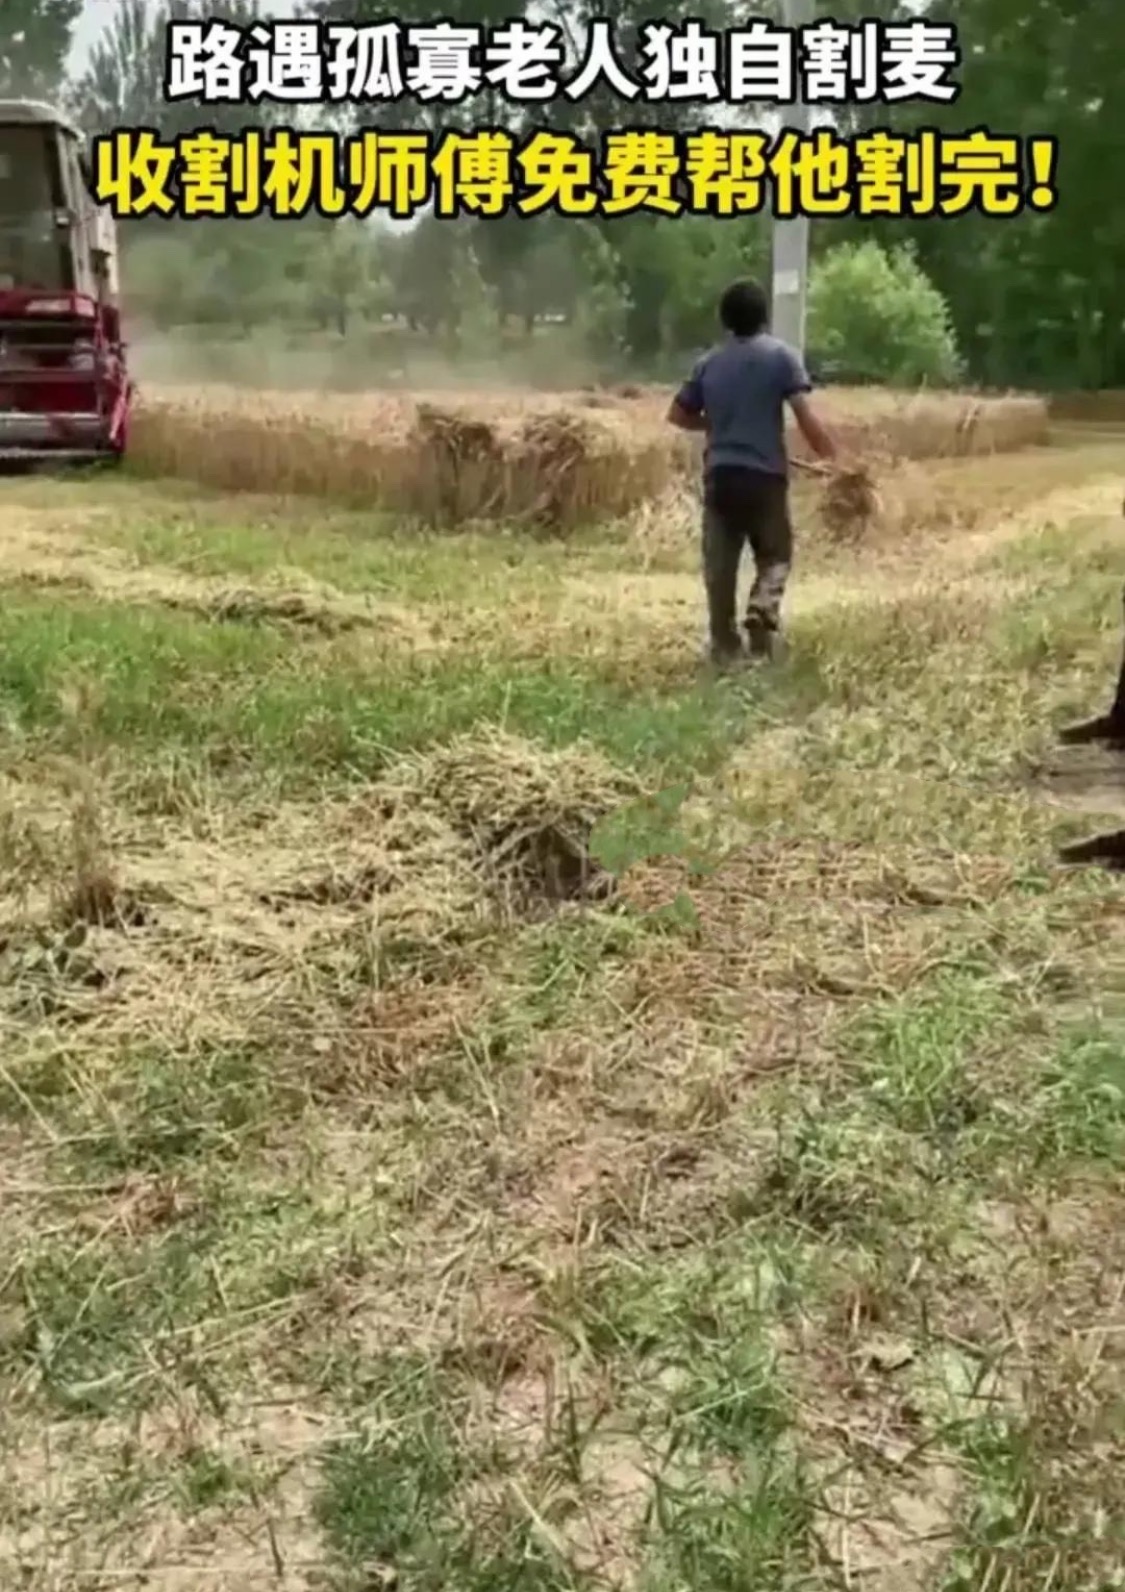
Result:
[{"x": 744, "y": 309}]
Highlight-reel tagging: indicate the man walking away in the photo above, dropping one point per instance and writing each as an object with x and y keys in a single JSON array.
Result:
[{"x": 736, "y": 395}]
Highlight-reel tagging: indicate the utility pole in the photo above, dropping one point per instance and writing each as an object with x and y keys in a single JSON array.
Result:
[{"x": 791, "y": 238}]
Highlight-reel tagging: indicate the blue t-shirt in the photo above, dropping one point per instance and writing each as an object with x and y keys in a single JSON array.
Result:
[{"x": 742, "y": 387}]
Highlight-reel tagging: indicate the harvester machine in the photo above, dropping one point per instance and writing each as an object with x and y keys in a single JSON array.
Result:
[{"x": 65, "y": 391}]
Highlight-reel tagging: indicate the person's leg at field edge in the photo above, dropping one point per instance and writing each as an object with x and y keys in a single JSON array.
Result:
[
  {"x": 1107, "y": 728},
  {"x": 770, "y": 533},
  {"x": 723, "y": 539}
]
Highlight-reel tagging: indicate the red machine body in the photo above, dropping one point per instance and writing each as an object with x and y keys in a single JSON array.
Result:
[{"x": 65, "y": 389}]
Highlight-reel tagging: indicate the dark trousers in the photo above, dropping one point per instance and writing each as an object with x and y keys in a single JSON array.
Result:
[{"x": 739, "y": 507}]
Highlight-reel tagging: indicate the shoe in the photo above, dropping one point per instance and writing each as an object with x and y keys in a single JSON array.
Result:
[
  {"x": 1104, "y": 851},
  {"x": 761, "y": 641},
  {"x": 1107, "y": 730},
  {"x": 726, "y": 654}
]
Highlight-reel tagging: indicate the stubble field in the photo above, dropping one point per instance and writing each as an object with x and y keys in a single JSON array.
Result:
[{"x": 485, "y": 1106}]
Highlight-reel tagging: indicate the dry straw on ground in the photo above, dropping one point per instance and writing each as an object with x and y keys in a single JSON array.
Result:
[
  {"x": 528, "y": 813},
  {"x": 181, "y": 935},
  {"x": 548, "y": 461}
]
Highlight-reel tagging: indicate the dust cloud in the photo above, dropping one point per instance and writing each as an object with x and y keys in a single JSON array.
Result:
[{"x": 379, "y": 359}]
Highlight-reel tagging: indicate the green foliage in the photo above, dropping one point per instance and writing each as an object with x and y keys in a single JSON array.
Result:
[
  {"x": 644, "y": 250},
  {"x": 603, "y": 308},
  {"x": 340, "y": 277},
  {"x": 666, "y": 276},
  {"x": 705, "y": 258},
  {"x": 535, "y": 266},
  {"x": 637, "y": 291},
  {"x": 422, "y": 273},
  {"x": 474, "y": 321},
  {"x": 1035, "y": 299},
  {"x": 34, "y": 43},
  {"x": 876, "y": 315},
  {"x": 248, "y": 274},
  {"x": 123, "y": 82}
]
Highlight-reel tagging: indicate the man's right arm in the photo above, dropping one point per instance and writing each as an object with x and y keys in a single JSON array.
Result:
[
  {"x": 813, "y": 429},
  {"x": 796, "y": 390}
]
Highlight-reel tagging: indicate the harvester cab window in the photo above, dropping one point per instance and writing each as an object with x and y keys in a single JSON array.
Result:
[{"x": 33, "y": 251}]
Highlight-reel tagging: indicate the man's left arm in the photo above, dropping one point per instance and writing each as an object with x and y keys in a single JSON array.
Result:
[{"x": 686, "y": 411}]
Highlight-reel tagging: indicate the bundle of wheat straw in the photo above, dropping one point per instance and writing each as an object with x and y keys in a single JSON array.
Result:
[{"x": 850, "y": 500}]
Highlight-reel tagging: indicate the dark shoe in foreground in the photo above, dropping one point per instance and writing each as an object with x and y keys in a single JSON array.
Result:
[
  {"x": 1103, "y": 851},
  {"x": 1107, "y": 730},
  {"x": 726, "y": 655},
  {"x": 761, "y": 641}
]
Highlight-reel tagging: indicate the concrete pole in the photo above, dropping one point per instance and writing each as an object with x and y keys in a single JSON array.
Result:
[{"x": 791, "y": 238}]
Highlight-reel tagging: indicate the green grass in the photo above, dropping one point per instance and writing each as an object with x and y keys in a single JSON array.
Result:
[
  {"x": 385, "y": 1493},
  {"x": 239, "y": 696},
  {"x": 616, "y": 1240},
  {"x": 392, "y": 1499},
  {"x": 103, "y": 1326},
  {"x": 151, "y": 1110},
  {"x": 207, "y": 1479},
  {"x": 356, "y": 553},
  {"x": 1051, "y": 552}
]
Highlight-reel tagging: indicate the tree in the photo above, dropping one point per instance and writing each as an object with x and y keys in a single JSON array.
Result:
[
  {"x": 341, "y": 271},
  {"x": 603, "y": 308},
  {"x": 509, "y": 252},
  {"x": 421, "y": 269},
  {"x": 876, "y": 316},
  {"x": 35, "y": 39},
  {"x": 436, "y": 116},
  {"x": 533, "y": 265},
  {"x": 706, "y": 257},
  {"x": 1035, "y": 298},
  {"x": 123, "y": 84}
]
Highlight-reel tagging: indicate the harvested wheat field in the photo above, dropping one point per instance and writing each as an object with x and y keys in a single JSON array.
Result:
[
  {"x": 486, "y": 1106},
  {"x": 548, "y": 462}
]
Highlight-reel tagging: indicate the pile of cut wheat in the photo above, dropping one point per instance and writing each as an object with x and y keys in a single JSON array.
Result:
[{"x": 547, "y": 461}]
